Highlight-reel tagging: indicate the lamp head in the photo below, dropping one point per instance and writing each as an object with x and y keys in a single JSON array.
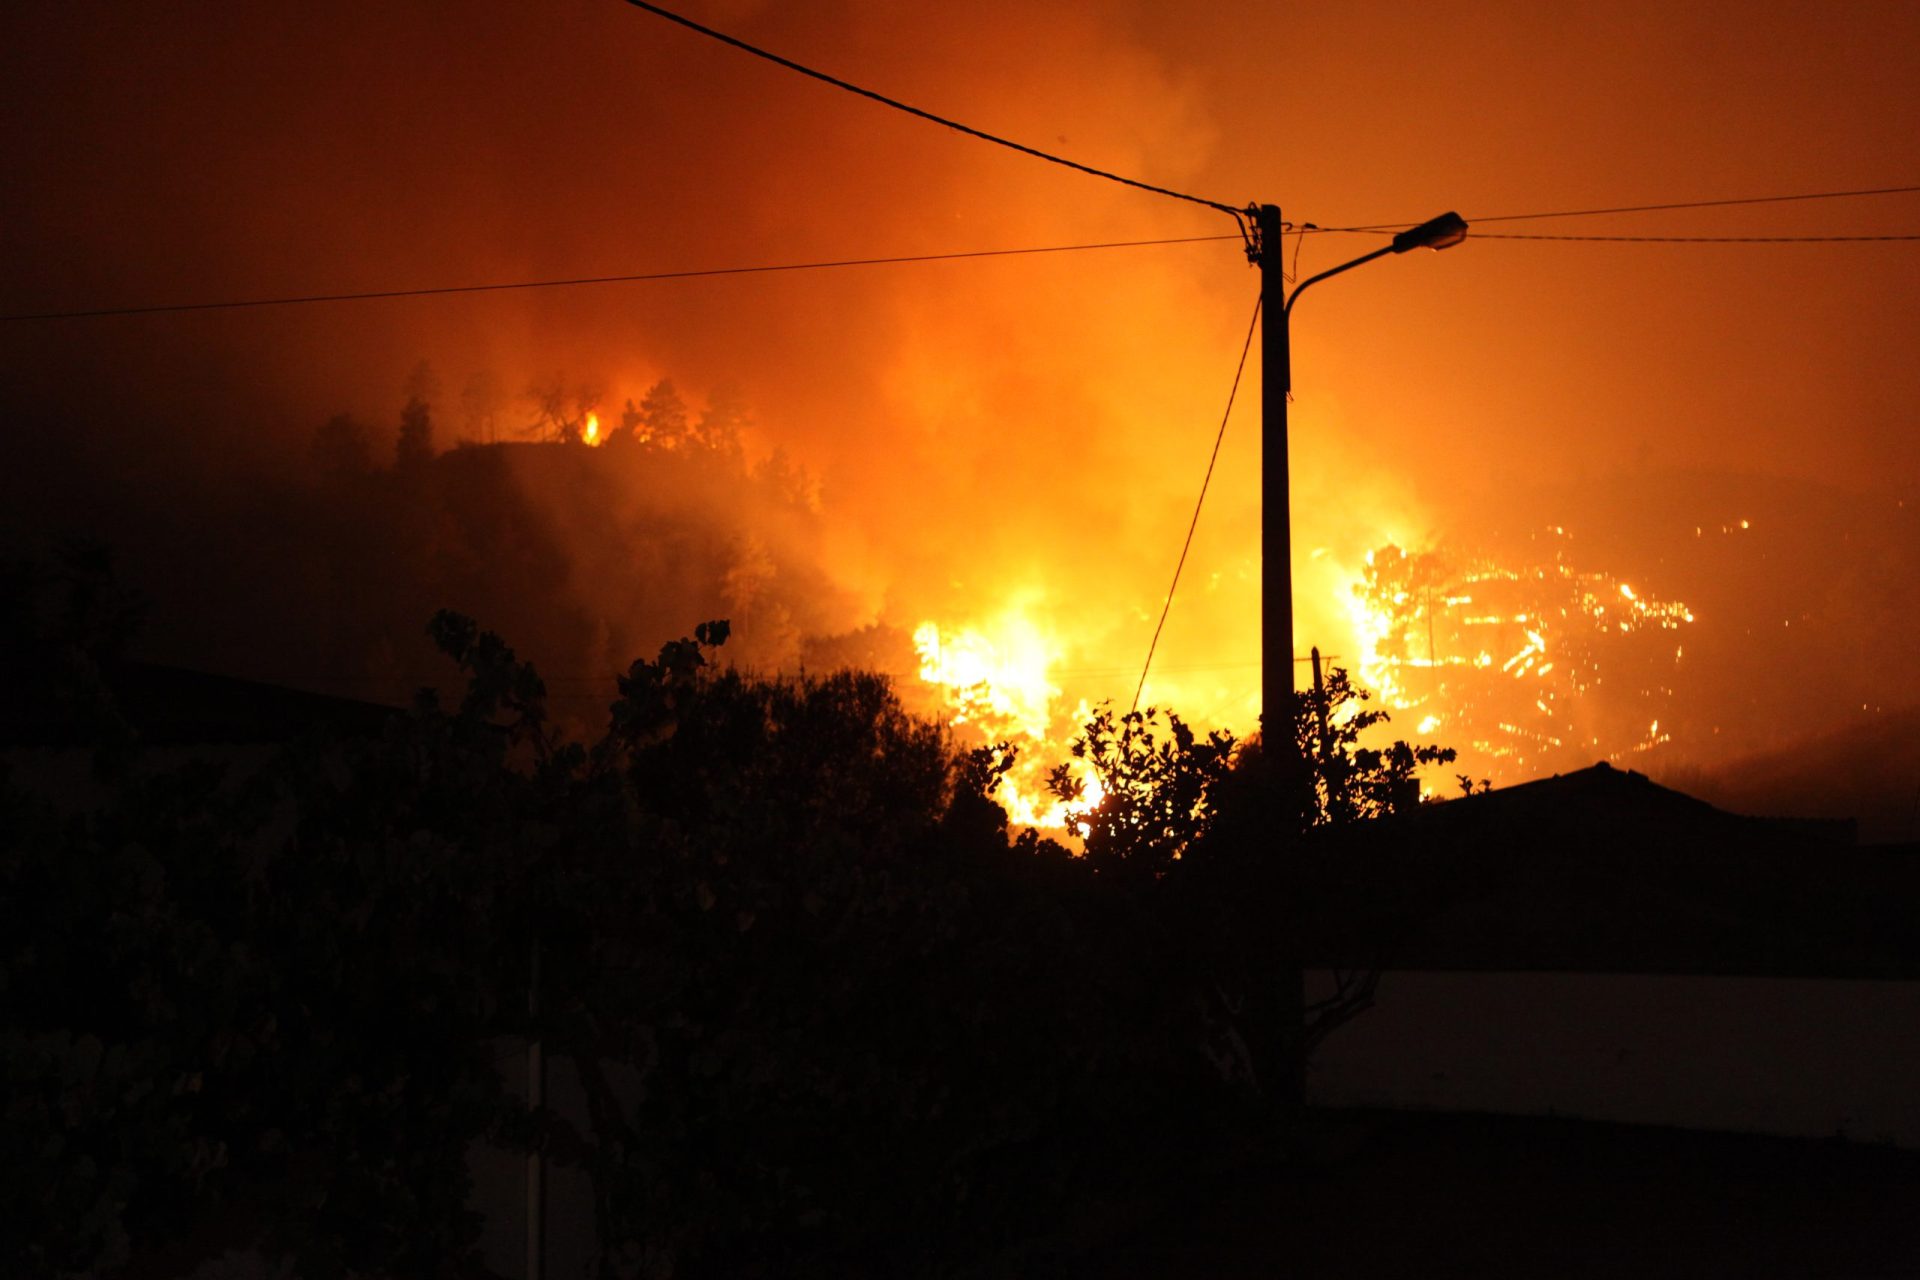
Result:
[{"x": 1442, "y": 232}]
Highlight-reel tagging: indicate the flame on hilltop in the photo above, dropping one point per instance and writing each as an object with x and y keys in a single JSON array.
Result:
[
  {"x": 591, "y": 431},
  {"x": 994, "y": 682}
]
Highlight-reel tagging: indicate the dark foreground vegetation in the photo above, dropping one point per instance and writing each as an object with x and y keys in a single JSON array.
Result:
[
  {"x": 829, "y": 1013},
  {"x": 1380, "y": 1195}
]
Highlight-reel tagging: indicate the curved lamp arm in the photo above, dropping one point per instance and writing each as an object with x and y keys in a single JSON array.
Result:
[{"x": 1442, "y": 232}]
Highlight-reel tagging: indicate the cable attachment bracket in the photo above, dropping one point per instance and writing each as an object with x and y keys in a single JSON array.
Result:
[{"x": 1249, "y": 220}]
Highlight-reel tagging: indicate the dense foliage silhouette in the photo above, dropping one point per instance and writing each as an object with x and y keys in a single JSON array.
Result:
[{"x": 827, "y": 1009}]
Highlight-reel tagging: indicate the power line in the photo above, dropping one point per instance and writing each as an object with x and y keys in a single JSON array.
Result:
[
  {"x": 897, "y": 105},
  {"x": 1515, "y": 235},
  {"x": 1642, "y": 208},
  {"x": 1702, "y": 204},
  {"x": 1300, "y": 230},
  {"x": 438, "y": 290},
  {"x": 1199, "y": 502},
  {"x": 1501, "y": 235}
]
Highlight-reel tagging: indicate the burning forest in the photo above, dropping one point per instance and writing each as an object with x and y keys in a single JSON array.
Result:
[{"x": 590, "y": 523}]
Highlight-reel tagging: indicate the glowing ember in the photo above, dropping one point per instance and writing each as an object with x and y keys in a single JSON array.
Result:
[{"x": 1507, "y": 657}]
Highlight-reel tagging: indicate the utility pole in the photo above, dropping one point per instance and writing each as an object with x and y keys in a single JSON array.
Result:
[
  {"x": 1276, "y": 516},
  {"x": 1286, "y": 1079},
  {"x": 1286, "y": 778}
]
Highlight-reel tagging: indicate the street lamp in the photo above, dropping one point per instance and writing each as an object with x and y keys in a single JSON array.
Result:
[
  {"x": 1284, "y": 762},
  {"x": 1276, "y": 536}
]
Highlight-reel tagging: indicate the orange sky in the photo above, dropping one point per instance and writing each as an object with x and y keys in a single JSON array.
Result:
[{"x": 1000, "y": 427}]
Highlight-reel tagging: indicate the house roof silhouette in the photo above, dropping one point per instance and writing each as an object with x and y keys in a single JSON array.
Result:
[
  {"x": 175, "y": 706},
  {"x": 1603, "y": 870}
]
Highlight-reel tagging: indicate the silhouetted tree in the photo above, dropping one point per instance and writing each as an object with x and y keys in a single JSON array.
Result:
[
  {"x": 1158, "y": 788},
  {"x": 251, "y": 1010},
  {"x": 627, "y": 430},
  {"x": 423, "y": 383},
  {"x": 342, "y": 446},
  {"x": 1206, "y": 828},
  {"x": 663, "y": 419},
  {"x": 480, "y": 401},
  {"x": 561, "y": 409},
  {"x": 64, "y": 620},
  {"x": 722, "y": 420},
  {"x": 414, "y": 447},
  {"x": 1352, "y": 782},
  {"x": 62, "y": 606},
  {"x": 787, "y": 482},
  {"x": 820, "y": 1008},
  {"x": 1162, "y": 785}
]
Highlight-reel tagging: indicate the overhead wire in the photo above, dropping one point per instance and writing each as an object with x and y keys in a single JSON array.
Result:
[
  {"x": 1508, "y": 235},
  {"x": 1206, "y": 480},
  {"x": 737, "y": 43},
  {"x": 439, "y": 290},
  {"x": 1653, "y": 208},
  {"x": 1516, "y": 235},
  {"x": 1702, "y": 204},
  {"x": 1300, "y": 230}
]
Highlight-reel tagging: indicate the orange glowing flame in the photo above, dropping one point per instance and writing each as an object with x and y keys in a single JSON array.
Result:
[
  {"x": 591, "y": 432},
  {"x": 1507, "y": 657},
  {"x": 998, "y": 682},
  {"x": 993, "y": 682},
  {"x": 1522, "y": 664}
]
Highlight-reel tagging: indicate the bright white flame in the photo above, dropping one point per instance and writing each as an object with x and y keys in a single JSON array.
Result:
[{"x": 994, "y": 680}]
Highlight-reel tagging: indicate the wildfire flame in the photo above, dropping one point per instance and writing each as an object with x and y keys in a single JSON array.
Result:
[
  {"x": 1508, "y": 656},
  {"x": 994, "y": 682},
  {"x": 1503, "y": 660},
  {"x": 1497, "y": 658},
  {"x": 999, "y": 681}
]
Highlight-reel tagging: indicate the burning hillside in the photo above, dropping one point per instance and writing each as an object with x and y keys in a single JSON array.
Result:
[
  {"x": 1507, "y": 660},
  {"x": 1648, "y": 619},
  {"x": 1524, "y": 665},
  {"x": 1658, "y": 640}
]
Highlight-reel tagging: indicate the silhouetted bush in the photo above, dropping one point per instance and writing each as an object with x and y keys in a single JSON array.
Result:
[{"x": 823, "y": 1008}]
